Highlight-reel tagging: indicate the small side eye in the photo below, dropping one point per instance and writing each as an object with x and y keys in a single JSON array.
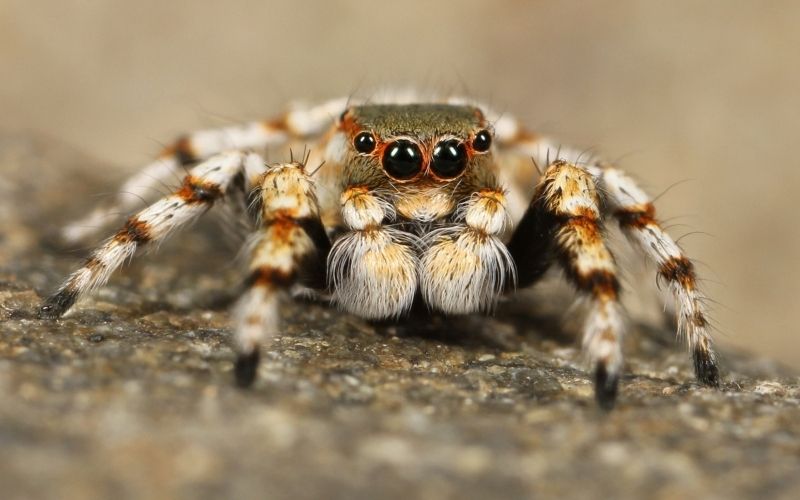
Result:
[
  {"x": 482, "y": 141},
  {"x": 364, "y": 143},
  {"x": 402, "y": 160},
  {"x": 449, "y": 159}
]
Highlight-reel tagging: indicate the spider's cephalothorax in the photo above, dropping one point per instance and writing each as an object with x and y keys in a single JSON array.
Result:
[{"x": 437, "y": 200}]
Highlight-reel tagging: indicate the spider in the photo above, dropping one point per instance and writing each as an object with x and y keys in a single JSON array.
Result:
[{"x": 441, "y": 201}]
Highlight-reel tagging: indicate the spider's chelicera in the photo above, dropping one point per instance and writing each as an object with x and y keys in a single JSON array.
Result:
[{"x": 412, "y": 201}]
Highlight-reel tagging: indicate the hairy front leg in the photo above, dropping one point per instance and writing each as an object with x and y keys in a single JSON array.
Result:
[
  {"x": 290, "y": 248},
  {"x": 565, "y": 214},
  {"x": 300, "y": 123}
]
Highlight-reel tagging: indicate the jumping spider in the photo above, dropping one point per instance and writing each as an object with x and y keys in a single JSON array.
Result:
[{"x": 440, "y": 201}]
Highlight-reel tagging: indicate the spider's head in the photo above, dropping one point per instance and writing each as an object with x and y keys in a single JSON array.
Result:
[
  {"x": 420, "y": 144},
  {"x": 424, "y": 158}
]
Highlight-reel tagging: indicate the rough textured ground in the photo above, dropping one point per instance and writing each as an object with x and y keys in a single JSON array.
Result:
[{"x": 131, "y": 397}]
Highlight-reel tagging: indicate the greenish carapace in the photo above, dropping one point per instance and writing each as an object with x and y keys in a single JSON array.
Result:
[{"x": 418, "y": 120}]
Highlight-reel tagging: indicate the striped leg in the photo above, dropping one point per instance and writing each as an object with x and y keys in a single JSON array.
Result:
[
  {"x": 299, "y": 123},
  {"x": 290, "y": 248},
  {"x": 636, "y": 215},
  {"x": 204, "y": 184},
  {"x": 565, "y": 209}
]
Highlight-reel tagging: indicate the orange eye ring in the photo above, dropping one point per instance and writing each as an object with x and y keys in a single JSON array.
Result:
[{"x": 365, "y": 143}]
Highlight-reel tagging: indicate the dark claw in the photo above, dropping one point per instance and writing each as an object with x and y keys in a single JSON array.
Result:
[
  {"x": 705, "y": 368},
  {"x": 246, "y": 368},
  {"x": 56, "y": 305},
  {"x": 605, "y": 387}
]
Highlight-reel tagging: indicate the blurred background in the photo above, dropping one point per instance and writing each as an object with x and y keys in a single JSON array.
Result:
[{"x": 698, "y": 99}]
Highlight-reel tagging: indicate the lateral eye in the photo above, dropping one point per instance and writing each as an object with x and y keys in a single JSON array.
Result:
[
  {"x": 482, "y": 141},
  {"x": 449, "y": 159},
  {"x": 364, "y": 142},
  {"x": 402, "y": 160}
]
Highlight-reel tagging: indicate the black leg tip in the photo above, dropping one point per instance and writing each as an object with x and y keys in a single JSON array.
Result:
[
  {"x": 706, "y": 368},
  {"x": 605, "y": 387},
  {"x": 56, "y": 305},
  {"x": 246, "y": 368}
]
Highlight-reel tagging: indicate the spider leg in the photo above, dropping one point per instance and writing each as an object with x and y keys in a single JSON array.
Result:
[
  {"x": 300, "y": 123},
  {"x": 290, "y": 248},
  {"x": 635, "y": 211},
  {"x": 202, "y": 187},
  {"x": 564, "y": 217}
]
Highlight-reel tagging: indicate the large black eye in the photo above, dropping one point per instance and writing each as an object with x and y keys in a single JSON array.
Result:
[
  {"x": 449, "y": 159},
  {"x": 364, "y": 142},
  {"x": 402, "y": 159},
  {"x": 482, "y": 141}
]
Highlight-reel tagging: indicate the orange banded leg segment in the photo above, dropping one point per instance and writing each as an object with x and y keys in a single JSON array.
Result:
[
  {"x": 290, "y": 248},
  {"x": 201, "y": 188},
  {"x": 299, "y": 123},
  {"x": 635, "y": 212},
  {"x": 570, "y": 200}
]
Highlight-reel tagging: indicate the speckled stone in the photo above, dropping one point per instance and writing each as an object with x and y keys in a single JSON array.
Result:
[{"x": 131, "y": 395}]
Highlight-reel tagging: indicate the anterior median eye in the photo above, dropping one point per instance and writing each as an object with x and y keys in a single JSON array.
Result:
[
  {"x": 364, "y": 142},
  {"x": 402, "y": 160},
  {"x": 449, "y": 159}
]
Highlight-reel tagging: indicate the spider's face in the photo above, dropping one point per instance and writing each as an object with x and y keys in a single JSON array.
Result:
[
  {"x": 424, "y": 153},
  {"x": 420, "y": 143}
]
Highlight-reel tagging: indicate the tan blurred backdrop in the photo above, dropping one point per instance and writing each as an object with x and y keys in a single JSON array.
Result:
[{"x": 706, "y": 92}]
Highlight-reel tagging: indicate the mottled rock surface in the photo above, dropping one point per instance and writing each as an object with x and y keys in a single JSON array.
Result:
[{"x": 130, "y": 396}]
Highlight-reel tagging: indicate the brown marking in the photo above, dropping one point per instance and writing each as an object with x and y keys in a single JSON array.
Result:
[
  {"x": 269, "y": 276},
  {"x": 495, "y": 195},
  {"x": 349, "y": 125},
  {"x": 603, "y": 284},
  {"x": 586, "y": 229},
  {"x": 354, "y": 192},
  {"x": 699, "y": 320},
  {"x": 134, "y": 231},
  {"x": 279, "y": 124},
  {"x": 638, "y": 216},
  {"x": 282, "y": 214},
  {"x": 281, "y": 228},
  {"x": 480, "y": 118},
  {"x": 679, "y": 270},
  {"x": 93, "y": 263},
  {"x": 196, "y": 190},
  {"x": 182, "y": 150},
  {"x": 523, "y": 135},
  {"x": 608, "y": 335},
  {"x": 253, "y": 320}
]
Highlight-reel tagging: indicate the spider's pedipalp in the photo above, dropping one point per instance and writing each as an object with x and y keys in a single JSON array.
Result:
[
  {"x": 566, "y": 211},
  {"x": 372, "y": 269},
  {"x": 291, "y": 247},
  {"x": 299, "y": 123},
  {"x": 465, "y": 267},
  {"x": 635, "y": 211},
  {"x": 202, "y": 186}
]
